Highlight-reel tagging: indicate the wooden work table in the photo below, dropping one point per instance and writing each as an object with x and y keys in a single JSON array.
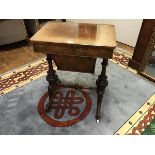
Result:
[{"x": 76, "y": 42}]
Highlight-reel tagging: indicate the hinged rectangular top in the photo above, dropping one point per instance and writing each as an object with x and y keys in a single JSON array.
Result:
[{"x": 76, "y": 33}]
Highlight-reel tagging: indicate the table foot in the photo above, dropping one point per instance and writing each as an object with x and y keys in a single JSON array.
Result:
[
  {"x": 101, "y": 83},
  {"x": 98, "y": 121}
]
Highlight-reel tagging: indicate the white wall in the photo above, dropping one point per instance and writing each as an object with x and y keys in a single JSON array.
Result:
[{"x": 127, "y": 30}]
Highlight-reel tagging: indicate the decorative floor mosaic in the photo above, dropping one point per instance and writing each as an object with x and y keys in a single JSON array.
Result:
[
  {"x": 69, "y": 106},
  {"x": 142, "y": 122}
]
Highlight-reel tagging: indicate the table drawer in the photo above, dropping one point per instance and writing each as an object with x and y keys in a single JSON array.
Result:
[{"x": 74, "y": 63}]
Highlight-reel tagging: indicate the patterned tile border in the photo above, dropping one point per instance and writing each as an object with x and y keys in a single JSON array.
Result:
[
  {"x": 23, "y": 75},
  {"x": 122, "y": 60},
  {"x": 140, "y": 120}
]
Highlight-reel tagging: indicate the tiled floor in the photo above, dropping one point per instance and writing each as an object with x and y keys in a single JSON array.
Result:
[{"x": 16, "y": 57}]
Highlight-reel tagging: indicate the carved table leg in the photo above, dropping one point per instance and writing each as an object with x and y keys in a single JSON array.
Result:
[
  {"x": 101, "y": 83},
  {"x": 52, "y": 78}
]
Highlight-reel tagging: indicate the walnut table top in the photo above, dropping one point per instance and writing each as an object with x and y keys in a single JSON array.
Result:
[{"x": 91, "y": 40}]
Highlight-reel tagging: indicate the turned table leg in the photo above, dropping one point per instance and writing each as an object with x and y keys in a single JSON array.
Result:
[
  {"x": 52, "y": 78},
  {"x": 101, "y": 83}
]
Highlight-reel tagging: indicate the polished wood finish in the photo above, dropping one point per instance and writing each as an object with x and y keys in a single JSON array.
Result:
[
  {"x": 74, "y": 50},
  {"x": 13, "y": 57},
  {"x": 80, "y": 34},
  {"x": 76, "y": 41},
  {"x": 86, "y": 64},
  {"x": 128, "y": 49},
  {"x": 140, "y": 52}
]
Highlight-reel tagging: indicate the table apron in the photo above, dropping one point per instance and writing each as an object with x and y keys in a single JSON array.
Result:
[{"x": 74, "y": 50}]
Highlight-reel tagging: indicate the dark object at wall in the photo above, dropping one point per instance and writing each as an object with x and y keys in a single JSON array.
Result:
[{"x": 144, "y": 46}]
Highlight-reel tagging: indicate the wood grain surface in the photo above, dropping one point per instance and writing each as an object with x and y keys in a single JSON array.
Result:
[{"x": 74, "y": 33}]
